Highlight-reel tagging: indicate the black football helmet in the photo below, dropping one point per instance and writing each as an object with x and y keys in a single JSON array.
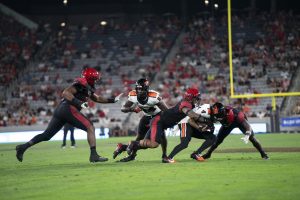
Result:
[
  {"x": 218, "y": 110},
  {"x": 142, "y": 88}
]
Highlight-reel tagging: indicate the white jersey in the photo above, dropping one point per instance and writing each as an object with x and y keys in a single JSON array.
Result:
[
  {"x": 203, "y": 110},
  {"x": 150, "y": 108}
]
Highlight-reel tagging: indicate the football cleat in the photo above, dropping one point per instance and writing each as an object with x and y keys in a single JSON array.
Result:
[
  {"x": 20, "y": 151},
  {"x": 132, "y": 147},
  {"x": 97, "y": 158},
  {"x": 168, "y": 160},
  {"x": 265, "y": 157},
  {"x": 120, "y": 148},
  {"x": 197, "y": 157},
  {"x": 128, "y": 158},
  {"x": 206, "y": 156}
]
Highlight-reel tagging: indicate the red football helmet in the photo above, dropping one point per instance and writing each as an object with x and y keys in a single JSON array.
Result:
[
  {"x": 91, "y": 75},
  {"x": 191, "y": 93}
]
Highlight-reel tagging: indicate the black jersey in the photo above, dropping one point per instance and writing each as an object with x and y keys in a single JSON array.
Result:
[
  {"x": 83, "y": 91},
  {"x": 172, "y": 116}
]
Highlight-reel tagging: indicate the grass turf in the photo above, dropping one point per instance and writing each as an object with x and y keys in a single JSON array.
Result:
[{"x": 49, "y": 172}]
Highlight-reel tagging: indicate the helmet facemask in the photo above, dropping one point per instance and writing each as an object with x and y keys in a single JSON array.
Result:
[
  {"x": 218, "y": 111},
  {"x": 142, "y": 89}
]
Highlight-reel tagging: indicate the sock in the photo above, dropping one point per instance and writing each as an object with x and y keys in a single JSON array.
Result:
[{"x": 93, "y": 150}]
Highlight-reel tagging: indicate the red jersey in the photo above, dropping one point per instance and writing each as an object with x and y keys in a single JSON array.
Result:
[{"x": 232, "y": 115}]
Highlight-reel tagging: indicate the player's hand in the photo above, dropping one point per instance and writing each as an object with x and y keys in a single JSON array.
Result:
[
  {"x": 84, "y": 105},
  {"x": 117, "y": 98},
  {"x": 245, "y": 139},
  {"x": 137, "y": 109}
]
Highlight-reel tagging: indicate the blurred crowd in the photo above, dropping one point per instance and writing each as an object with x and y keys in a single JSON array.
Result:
[
  {"x": 273, "y": 48},
  {"x": 202, "y": 62}
]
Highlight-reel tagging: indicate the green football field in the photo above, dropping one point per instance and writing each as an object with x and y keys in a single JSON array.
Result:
[{"x": 49, "y": 172}]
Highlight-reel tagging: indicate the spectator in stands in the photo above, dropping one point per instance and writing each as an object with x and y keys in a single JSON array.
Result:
[{"x": 68, "y": 127}]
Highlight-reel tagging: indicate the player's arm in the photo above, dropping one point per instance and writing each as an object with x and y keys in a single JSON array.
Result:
[
  {"x": 100, "y": 99},
  {"x": 247, "y": 127},
  {"x": 128, "y": 107},
  {"x": 203, "y": 126},
  {"x": 69, "y": 92},
  {"x": 193, "y": 124},
  {"x": 248, "y": 130},
  {"x": 161, "y": 104},
  {"x": 196, "y": 117}
]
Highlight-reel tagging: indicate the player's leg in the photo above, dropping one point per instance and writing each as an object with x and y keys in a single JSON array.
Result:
[
  {"x": 72, "y": 138},
  {"x": 246, "y": 126},
  {"x": 143, "y": 127},
  {"x": 78, "y": 120},
  {"x": 223, "y": 133},
  {"x": 164, "y": 144},
  {"x": 153, "y": 136},
  {"x": 53, "y": 127},
  {"x": 151, "y": 140},
  {"x": 209, "y": 138},
  {"x": 64, "y": 137},
  {"x": 185, "y": 138}
]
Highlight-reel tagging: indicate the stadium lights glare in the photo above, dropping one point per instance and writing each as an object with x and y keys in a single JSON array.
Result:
[
  {"x": 65, "y": 2},
  {"x": 103, "y": 23},
  {"x": 216, "y": 6},
  {"x": 63, "y": 24},
  {"x": 206, "y": 2}
]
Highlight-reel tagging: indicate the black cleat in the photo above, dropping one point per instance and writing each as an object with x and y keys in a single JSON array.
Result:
[
  {"x": 167, "y": 160},
  {"x": 197, "y": 157},
  {"x": 120, "y": 148},
  {"x": 265, "y": 157},
  {"x": 20, "y": 151},
  {"x": 128, "y": 158},
  {"x": 97, "y": 158},
  {"x": 206, "y": 156}
]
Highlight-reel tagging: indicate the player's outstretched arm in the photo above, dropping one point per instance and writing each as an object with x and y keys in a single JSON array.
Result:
[{"x": 100, "y": 99}]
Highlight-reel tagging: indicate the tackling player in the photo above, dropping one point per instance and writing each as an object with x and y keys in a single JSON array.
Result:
[
  {"x": 68, "y": 111},
  {"x": 190, "y": 128},
  {"x": 148, "y": 101},
  {"x": 167, "y": 119},
  {"x": 231, "y": 118}
]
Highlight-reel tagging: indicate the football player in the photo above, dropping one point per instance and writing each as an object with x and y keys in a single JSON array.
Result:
[
  {"x": 190, "y": 128},
  {"x": 75, "y": 98},
  {"x": 167, "y": 119},
  {"x": 231, "y": 118},
  {"x": 148, "y": 101}
]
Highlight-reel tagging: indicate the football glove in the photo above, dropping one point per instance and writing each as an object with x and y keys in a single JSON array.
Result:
[
  {"x": 117, "y": 98},
  {"x": 137, "y": 109},
  {"x": 245, "y": 139},
  {"x": 84, "y": 105}
]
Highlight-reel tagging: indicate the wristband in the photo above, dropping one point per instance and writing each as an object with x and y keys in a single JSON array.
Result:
[{"x": 111, "y": 100}]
